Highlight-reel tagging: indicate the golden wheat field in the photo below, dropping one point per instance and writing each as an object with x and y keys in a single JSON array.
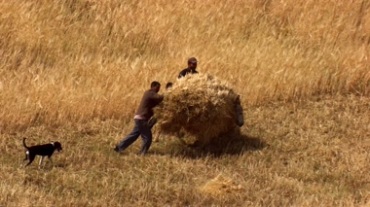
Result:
[{"x": 74, "y": 71}]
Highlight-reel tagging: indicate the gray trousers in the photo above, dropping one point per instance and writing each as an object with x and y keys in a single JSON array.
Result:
[{"x": 143, "y": 128}]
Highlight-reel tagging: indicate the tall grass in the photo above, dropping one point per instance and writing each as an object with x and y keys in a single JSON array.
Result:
[
  {"x": 74, "y": 71},
  {"x": 69, "y": 62}
]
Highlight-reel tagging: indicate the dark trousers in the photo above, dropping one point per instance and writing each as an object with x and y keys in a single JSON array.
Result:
[{"x": 142, "y": 128}]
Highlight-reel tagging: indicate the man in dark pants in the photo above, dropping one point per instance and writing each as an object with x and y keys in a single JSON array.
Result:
[
  {"x": 191, "y": 69},
  {"x": 150, "y": 99}
]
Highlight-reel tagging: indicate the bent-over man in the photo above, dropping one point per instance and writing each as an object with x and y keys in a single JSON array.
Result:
[{"x": 142, "y": 127}]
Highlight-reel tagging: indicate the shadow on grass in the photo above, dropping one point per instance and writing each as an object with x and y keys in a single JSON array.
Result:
[{"x": 228, "y": 144}]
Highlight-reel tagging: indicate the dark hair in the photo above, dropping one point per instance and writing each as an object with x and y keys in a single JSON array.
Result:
[
  {"x": 169, "y": 85},
  {"x": 192, "y": 60},
  {"x": 155, "y": 84}
]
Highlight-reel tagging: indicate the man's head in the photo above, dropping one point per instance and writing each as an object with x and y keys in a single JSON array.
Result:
[
  {"x": 192, "y": 63},
  {"x": 155, "y": 85}
]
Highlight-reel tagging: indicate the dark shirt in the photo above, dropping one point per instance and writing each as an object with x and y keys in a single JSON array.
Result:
[
  {"x": 186, "y": 71},
  {"x": 148, "y": 102}
]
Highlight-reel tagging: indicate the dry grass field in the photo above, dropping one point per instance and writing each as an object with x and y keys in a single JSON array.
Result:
[{"x": 74, "y": 71}]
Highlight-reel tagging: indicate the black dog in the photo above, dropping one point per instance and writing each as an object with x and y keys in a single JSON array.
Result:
[{"x": 41, "y": 150}]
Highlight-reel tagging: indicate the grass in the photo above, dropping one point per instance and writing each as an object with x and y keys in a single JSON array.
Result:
[
  {"x": 313, "y": 153},
  {"x": 74, "y": 71}
]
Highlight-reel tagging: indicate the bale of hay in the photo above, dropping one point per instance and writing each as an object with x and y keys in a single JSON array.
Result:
[
  {"x": 200, "y": 107},
  {"x": 221, "y": 185}
]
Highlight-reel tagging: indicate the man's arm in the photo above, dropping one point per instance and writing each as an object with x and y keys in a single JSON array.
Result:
[
  {"x": 182, "y": 73},
  {"x": 157, "y": 98}
]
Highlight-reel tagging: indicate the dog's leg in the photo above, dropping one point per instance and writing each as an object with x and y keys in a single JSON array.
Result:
[
  {"x": 31, "y": 157},
  {"x": 41, "y": 160},
  {"x": 27, "y": 152},
  {"x": 51, "y": 161}
]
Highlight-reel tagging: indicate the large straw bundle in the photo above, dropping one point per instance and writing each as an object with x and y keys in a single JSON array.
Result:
[
  {"x": 199, "y": 107},
  {"x": 221, "y": 186}
]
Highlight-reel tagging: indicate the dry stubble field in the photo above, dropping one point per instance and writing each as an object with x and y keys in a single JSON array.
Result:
[{"x": 74, "y": 71}]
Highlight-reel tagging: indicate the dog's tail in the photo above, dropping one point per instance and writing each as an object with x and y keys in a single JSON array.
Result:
[{"x": 24, "y": 142}]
